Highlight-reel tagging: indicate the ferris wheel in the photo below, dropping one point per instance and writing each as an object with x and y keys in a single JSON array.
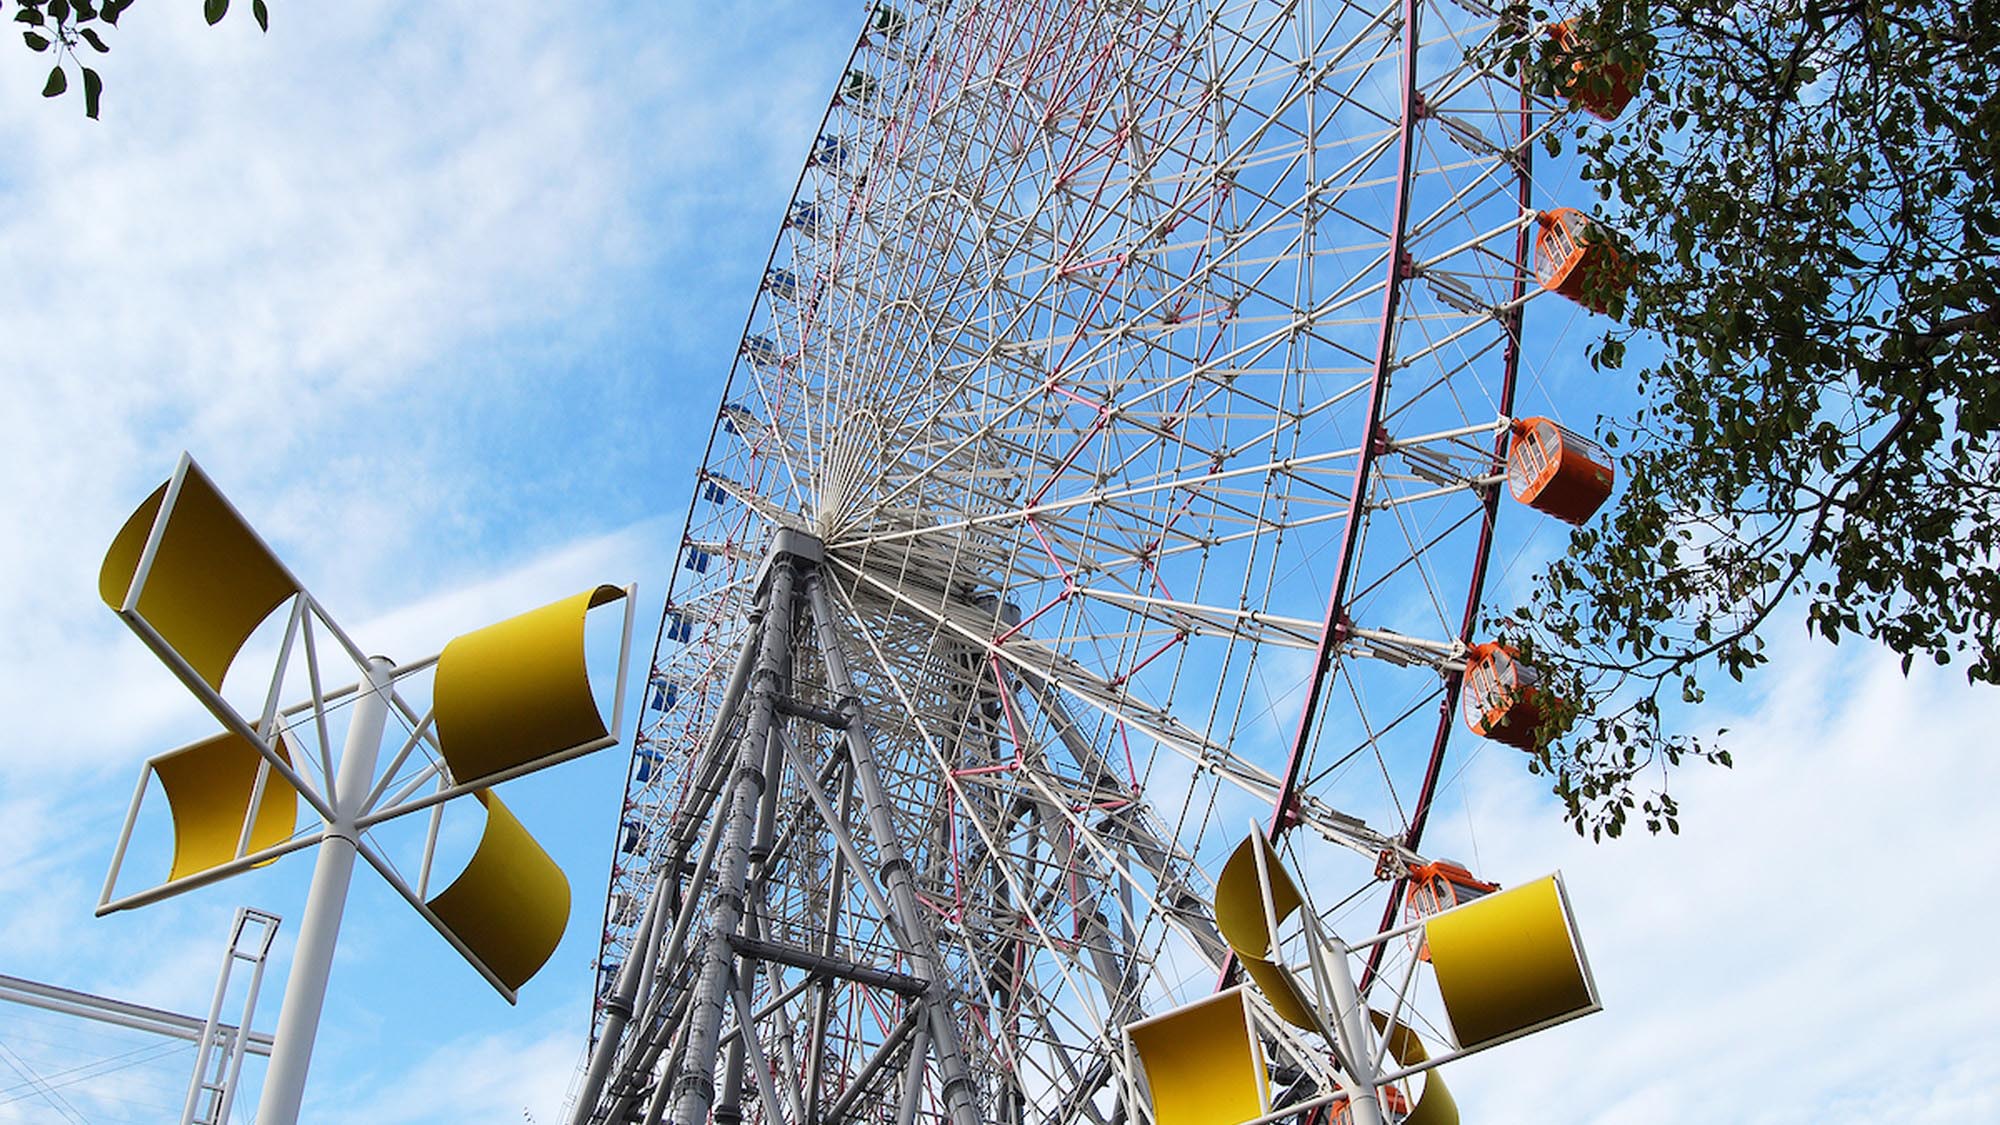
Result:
[{"x": 1111, "y": 463}]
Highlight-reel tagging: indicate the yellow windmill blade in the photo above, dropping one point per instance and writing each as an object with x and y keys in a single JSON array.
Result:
[
  {"x": 511, "y": 903},
  {"x": 1204, "y": 1063},
  {"x": 1239, "y": 898},
  {"x": 209, "y": 788},
  {"x": 517, "y": 691},
  {"x": 212, "y": 581},
  {"x": 1244, "y": 922},
  {"x": 1435, "y": 1106},
  {"x": 1510, "y": 963},
  {"x": 1281, "y": 991}
]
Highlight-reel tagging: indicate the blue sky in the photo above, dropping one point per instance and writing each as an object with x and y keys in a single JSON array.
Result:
[{"x": 443, "y": 297}]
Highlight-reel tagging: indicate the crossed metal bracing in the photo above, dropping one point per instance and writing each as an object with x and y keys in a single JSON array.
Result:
[
  {"x": 842, "y": 922},
  {"x": 1141, "y": 372}
]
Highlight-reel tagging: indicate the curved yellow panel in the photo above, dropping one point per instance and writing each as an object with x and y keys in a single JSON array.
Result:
[
  {"x": 511, "y": 903},
  {"x": 212, "y": 582},
  {"x": 517, "y": 690},
  {"x": 1276, "y": 983},
  {"x": 1508, "y": 962},
  {"x": 1204, "y": 1065},
  {"x": 1435, "y": 1106},
  {"x": 209, "y": 785},
  {"x": 1239, "y": 898}
]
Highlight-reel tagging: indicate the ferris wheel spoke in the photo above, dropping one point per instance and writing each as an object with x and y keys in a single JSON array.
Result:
[{"x": 1047, "y": 665}]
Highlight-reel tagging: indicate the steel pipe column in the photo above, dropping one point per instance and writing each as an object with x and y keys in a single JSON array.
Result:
[
  {"x": 961, "y": 1100},
  {"x": 326, "y": 902},
  {"x": 694, "y": 1084}
]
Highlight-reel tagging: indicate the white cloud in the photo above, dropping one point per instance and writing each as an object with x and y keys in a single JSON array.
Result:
[
  {"x": 42, "y": 870},
  {"x": 520, "y": 1074},
  {"x": 630, "y": 554},
  {"x": 375, "y": 270}
]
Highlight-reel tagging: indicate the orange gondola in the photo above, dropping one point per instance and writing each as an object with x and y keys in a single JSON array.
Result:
[
  {"x": 1574, "y": 257},
  {"x": 1599, "y": 88},
  {"x": 1440, "y": 885},
  {"x": 1558, "y": 472},
  {"x": 1501, "y": 698}
]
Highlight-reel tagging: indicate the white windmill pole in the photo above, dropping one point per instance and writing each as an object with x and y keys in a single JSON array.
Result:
[{"x": 312, "y": 961}]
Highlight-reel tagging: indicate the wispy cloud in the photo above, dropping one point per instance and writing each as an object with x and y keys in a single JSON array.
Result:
[
  {"x": 520, "y": 1074},
  {"x": 383, "y": 272}
]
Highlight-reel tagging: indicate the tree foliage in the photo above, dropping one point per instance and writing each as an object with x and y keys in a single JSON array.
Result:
[
  {"x": 69, "y": 32},
  {"x": 1808, "y": 189}
]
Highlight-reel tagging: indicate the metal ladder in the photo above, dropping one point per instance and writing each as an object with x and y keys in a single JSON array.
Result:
[{"x": 219, "y": 1052}]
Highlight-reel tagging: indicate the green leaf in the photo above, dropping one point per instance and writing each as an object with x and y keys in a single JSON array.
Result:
[
  {"x": 214, "y": 10},
  {"x": 30, "y": 15},
  {"x": 60, "y": 10},
  {"x": 93, "y": 92},
  {"x": 262, "y": 14},
  {"x": 58, "y": 82},
  {"x": 96, "y": 41},
  {"x": 35, "y": 42}
]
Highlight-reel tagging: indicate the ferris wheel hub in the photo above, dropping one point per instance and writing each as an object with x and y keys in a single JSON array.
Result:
[{"x": 789, "y": 543}]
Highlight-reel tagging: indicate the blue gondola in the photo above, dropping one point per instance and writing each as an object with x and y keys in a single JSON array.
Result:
[
  {"x": 666, "y": 693},
  {"x": 736, "y": 418},
  {"x": 804, "y": 217},
  {"x": 679, "y": 626},
  {"x": 648, "y": 761},
  {"x": 828, "y": 151},
  {"x": 783, "y": 284},
  {"x": 761, "y": 351}
]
